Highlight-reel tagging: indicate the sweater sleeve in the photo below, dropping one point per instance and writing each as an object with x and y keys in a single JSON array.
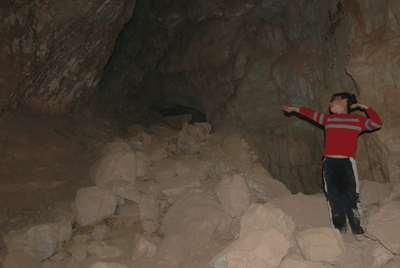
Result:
[
  {"x": 373, "y": 122},
  {"x": 316, "y": 116}
]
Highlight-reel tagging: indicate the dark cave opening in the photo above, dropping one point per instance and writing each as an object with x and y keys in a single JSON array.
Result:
[{"x": 197, "y": 116}]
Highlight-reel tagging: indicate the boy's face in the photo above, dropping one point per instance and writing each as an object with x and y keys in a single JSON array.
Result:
[{"x": 338, "y": 105}]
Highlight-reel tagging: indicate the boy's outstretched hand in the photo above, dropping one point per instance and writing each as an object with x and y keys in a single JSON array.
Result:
[
  {"x": 290, "y": 109},
  {"x": 359, "y": 105}
]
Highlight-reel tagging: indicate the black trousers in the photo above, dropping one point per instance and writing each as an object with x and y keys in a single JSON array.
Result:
[{"x": 342, "y": 193}]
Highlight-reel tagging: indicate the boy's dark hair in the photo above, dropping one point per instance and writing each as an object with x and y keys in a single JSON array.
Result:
[{"x": 351, "y": 99}]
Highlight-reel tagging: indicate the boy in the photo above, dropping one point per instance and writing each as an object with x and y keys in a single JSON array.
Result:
[{"x": 339, "y": 168}]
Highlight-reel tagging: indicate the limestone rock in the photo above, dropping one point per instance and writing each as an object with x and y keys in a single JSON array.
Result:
[
  {"x": 173, "y": 250},
  {"x": 93, "y": 204},
  {"x": 125, "y": 190},
  {"x": 266, "y": 188},
  {"x": 376, "y": 256},
  {"x": 117, "y": 164},
  {"x": 18, "y": 259},
  {"x": 108, "y": 265},
  {"x": 383, "y": 224},
  {"x": 78, "y": 252},
  {"x": 198, "y": 219},
  {"x": 144, "y": 249},
  {"x": 104, "y": 251},
  {"x": 164, "y": 169},
  {"x": 322, "y": 244},
  {"x": 233, "y": 194},
  {"x": 264, "y": 248},
  {"x": 309, "y": 211},
  {"x": 288, "y": 263},
  {"x": 41, "y": 241},
  {"x": 260, "y": 217},
  {"x": 100, "y": 232},
  {"x": 373, "y": 192},
  {"x": 149, "y": 213}
]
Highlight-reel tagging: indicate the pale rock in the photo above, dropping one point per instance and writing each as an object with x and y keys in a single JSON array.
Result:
[
  {"x": 104, "y": 251},
  {"x": 289, "y": 263},
  {"x": 108, "y": 265},
  {"x": 265, "y": 188},
  {"x": 81, "y": 239},
  {"x": 310, "y": 211},
  {"x": 100, "y": 232},
  {"x": 264, "y": 248},
  {"x": 373, "y": 192},
  {"x": 173, "y": 250},
  {"x": 198, "y": 219},
  {"x": 235, "y": 227},
  {"x": 41, "y": 241},
  {"x": 60, "y": 257},
  {"x": 192, "y": 135},
  {"x": 144, "y": 249},
  {"x": 78, "y": 252},
  {"x": 176, "y": 186},
  {"x": 233, "y": 194},
  {"x": 383, "y": 226},
  {"x": 238, "y": 152},
  {"x": 164, "y": 170},
  {"x": 18, "y": 259},
  {"x": 149, "y": 213},
  {"x": 128, "y": 214},
  {"x": 124, "y": 189},
  {"x": 142, "y": 164},
  {"x": 376, "y": 256},
  {"x": 49, "y": 264},
  {"x": 117, "y": 163},
  {"x": 158, "y": 154},
  {"x": 94, "y": 204},
  {"x": 259, "y": 217},
  {"x": 322, "y": 244}
]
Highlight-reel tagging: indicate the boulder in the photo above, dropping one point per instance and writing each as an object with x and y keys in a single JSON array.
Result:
[
  {"x": 261, "y": 217},
  {"x": 149, "y": 213},
  {"x": 173, "y": 250},
  {"x": 40, "y": 241},
  {"x": 198, "y": 219},
  {"x": 265, "y": 188},
  {"x": 144, "y": 249},
  {"x": 104, "y": 251},
  {"x": 322, "y": 245},
  {"x": 264, "y": 248},
  {"x": 100, "y": 232},
  {"x": 18, "y": 259},
  {"x": 376, "y": 256},
  {"x": 93, "y": 204},
  {"x": 384, "y": 225},
  {"x": 233, "y": 194},
  {"x": 108, "y": 265},
  {"x": 289, "y": 263},
  {"x": 124, "y": 189},
  {"x": 118, "y": 163},
  {"x": 305, "y": 210},
  {"x": 373, "y": 192}
]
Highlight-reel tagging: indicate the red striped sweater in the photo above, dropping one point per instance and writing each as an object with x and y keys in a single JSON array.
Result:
[{"x": 342, "y": 130}]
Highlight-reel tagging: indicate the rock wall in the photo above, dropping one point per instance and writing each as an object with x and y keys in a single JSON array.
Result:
[
  {"x": 53, "y": 53},
  {"x": 235, "y": 61}
]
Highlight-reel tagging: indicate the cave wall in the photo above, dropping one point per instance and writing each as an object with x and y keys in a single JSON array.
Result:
[
  {"x": 236, "y": 61},
  {"x": 53, "y": 53}
]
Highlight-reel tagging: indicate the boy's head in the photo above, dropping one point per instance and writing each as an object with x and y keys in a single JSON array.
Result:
[{"x": 351, "y": 99}]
